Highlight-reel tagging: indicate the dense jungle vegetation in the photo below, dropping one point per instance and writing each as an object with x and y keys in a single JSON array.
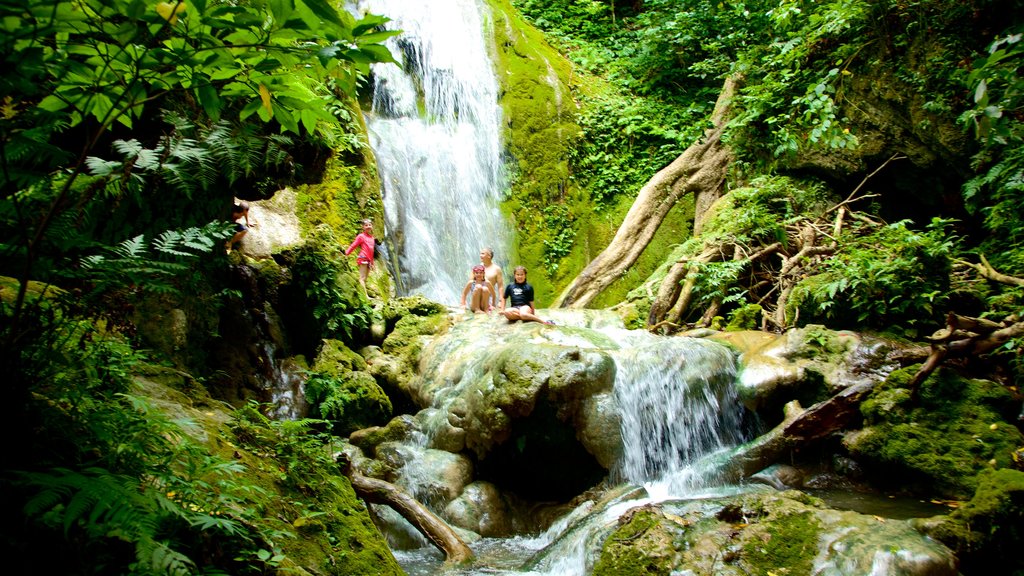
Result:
[
  {"x": 127, "y": 127},
  {"x": 895, "y": 124}
]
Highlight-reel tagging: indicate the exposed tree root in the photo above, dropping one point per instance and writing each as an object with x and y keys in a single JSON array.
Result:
[
  {"x": 699, "y": 170},
  {"x": 436, "y": 530}
]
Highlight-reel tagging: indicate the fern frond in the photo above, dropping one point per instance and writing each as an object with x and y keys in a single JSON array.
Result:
[
  {"x": 131, "y": 248},
  {"x": 159, "y": 558}
]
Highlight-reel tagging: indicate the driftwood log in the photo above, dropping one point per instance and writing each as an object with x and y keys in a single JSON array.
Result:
[
  {"x": 436, "y": 530},
  {"x": 797, "y": 428}
]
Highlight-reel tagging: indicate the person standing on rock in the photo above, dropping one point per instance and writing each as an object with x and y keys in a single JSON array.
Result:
[{"x": 366, "y": 243}]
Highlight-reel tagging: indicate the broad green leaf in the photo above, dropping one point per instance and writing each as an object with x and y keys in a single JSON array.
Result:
[
  {"x": 324, "y": 10},
  {"x": 209, "y": 100}
]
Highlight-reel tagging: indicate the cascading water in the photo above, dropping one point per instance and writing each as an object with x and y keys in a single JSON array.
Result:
[
  {"x": 434, "y": 127},
  {"x": 678, "y": 404},
  {"x": 675, "y": 396}
]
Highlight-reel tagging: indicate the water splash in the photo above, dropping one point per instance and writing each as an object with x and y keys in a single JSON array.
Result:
[
  {"x": 679, "y": 405},
  {"x": 435, "y": 128}
]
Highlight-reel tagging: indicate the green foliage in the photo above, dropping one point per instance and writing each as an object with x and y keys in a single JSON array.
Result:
[
  {"x": 559, "y": 223},
  {"x": 997, "y": 192},
  {"x": 339, "y": 389},
  {"x": 351, "y": 402},
  {"x": 324, "y": 518},
  {"x": 113, "y": 478},
  {"x": 626, "y": 140},
  {"x": 78, "y": 73},
  {"x": 334, "y": 298},
  {"x": 891, "y": 276}
]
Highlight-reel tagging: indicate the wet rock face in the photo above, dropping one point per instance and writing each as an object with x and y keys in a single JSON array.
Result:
[
  {"x": 761, "y": 533},
  {"x": 808, "y": 364}
]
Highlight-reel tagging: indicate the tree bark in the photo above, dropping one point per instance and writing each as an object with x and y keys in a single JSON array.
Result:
[
  {"x": 700, "y": 170},
  {"x": 436, "y": 530}
]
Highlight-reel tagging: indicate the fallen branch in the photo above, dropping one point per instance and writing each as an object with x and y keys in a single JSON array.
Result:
[
  {"x": 436, "y": 530},
  {"x": 798, "y": 427},
  {"x": 965, "y": 337},
  {"x": 987, "y": 271}
]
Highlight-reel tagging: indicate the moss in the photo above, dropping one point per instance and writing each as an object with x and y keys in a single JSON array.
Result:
[
  {"x": 746, "y": 317},
  {"x": 391, "y": 311},
  {"x": 405, "y": 339},
  {"x": 321, "y": 524},
  {"x": 349, "y": 190},
  {"x": 956, "y": 428},
  {"x": 783, "y": 542},
  {"x": 645, "y": 542},
  {"x": 987, "y": 531},
  {"x": 540, "y": 109},
  {"x": 339, "y": 389},
  {"x": 674, "y": 230}
]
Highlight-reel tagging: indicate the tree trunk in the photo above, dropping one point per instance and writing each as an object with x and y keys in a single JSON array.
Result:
[
  {"x": 436, "y": 530},
  {"x": 700, "y": 170}
]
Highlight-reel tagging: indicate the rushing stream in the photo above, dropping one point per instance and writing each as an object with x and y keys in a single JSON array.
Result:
[
  {"x": 675, "y": 398},
  {"x": 434, "y": 127}
]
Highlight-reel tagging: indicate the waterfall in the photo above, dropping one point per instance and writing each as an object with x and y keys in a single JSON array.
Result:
[
  {"x": 678, "y": 405},
  {"x": 435, "y": 129}
]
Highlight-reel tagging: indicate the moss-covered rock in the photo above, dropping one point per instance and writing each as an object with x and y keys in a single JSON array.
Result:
[
  {"x": 764, "y": 533},
  {"x": 339, "y": 389},
  {"x": 939, "y": 443},
  {"x": 323, "y": 527},
  {"x": 986, "y": 532},
  {"x": 645, "y": 542}
]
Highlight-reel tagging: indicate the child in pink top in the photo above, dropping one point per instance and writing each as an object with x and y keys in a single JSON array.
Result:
[{"x": 366, "y": 244}]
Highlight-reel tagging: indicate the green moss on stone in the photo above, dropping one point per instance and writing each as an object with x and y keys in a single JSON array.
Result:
[
  {"x": 339, "y": 389},
  {"x": 955, "y": 429},
  {"x": 986, "y": 532},
  {"x": 645, "y": 542},
  {"x": 746, "y": 317},
  {"x": 321, "y": 525},
  {"x": 783, "y": 543}
]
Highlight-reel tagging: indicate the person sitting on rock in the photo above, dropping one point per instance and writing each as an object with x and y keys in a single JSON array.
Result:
[
  {"x": 520, "y": 296},
  {"x": 479, "y": 291}
]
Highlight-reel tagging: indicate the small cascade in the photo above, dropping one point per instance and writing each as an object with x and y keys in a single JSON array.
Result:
[
  {"x": 435, "y": 128},
  {"x": 678, "y": 404},
  {"x": 260, "y": 340}
]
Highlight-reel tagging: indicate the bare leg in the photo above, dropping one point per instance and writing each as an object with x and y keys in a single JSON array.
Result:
[
  {"x": 236, "y": 239},
  {"x": 526, "y": 316},
  {"x": 478, "y": 302},
  {"x": 364, "y": 270}
]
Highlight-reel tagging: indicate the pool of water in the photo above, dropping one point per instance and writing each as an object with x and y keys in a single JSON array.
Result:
[{"x": 895, "y": 507}]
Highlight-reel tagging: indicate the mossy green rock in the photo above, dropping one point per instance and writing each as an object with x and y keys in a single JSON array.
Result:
[
  {"x": 956, "y": 428},
  {"x": 339, "y": 389},
  {"x": 986, "y": 532},
  {"x": 764, "y": 533}
]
